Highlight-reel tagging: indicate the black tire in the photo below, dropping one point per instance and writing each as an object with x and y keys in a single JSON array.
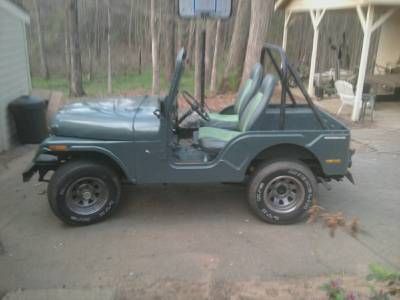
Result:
[
  {"x": 289, "y": 177},
  {"x": 68, "y": 176}
]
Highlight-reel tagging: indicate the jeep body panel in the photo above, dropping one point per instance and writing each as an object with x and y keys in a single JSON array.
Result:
[
  {"x": 115, "y": 119},
  {"x": 149, "y": 161}
]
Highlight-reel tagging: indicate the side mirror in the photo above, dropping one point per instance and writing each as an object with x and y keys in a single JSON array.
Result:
[{"x": 205, "y": 8}]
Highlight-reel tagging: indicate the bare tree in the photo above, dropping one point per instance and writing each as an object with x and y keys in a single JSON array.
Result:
[
  {"x": 130, "y": 26},
  {"x": 67, "y": 42},
  {"x": 109, "y": 79},
  {"x": 189, "y": 47},
  {"x": 213, "y": 83},
  {"x": 261, "y": 12},
  {"x": 237, "y": 49},
  {"x": 75, "y": 83},
  {"x": 97, "y": 29},
  {"x": 210, "y": 40},
  {"x": 154, "y": 48},
  {"x": 169, "y": 38},
  {"x": 197, "y": 63},
  {"x": 43, "y": 59}
]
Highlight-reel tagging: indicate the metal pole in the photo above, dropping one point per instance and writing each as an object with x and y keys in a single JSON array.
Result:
[{"x": 203, "y": 67}]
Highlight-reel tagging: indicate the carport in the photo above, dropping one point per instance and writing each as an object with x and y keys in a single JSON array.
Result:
[{"x": 373, "y": 14}]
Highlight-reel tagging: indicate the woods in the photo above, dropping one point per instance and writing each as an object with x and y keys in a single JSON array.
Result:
[{"x": 102, "y": 39}]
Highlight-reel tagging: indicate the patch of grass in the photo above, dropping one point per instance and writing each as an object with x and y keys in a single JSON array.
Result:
[{"x": 120, "y": 83}]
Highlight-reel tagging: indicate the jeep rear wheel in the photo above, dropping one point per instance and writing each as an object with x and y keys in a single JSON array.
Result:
[
  {"x": 281, "y": 192},
  {"x": 83, "y": 192}
]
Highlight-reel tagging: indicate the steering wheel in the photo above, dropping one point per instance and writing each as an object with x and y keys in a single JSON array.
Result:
[{"x": 194, "y": 107}]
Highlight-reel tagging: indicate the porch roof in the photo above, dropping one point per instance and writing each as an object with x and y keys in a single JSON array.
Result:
[{"x": 306, "y": 5}]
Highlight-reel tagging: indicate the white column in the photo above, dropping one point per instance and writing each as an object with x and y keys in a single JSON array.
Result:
[
  {"x": 366, "y": 23},
  {"x": 316, "y": 17},
  {"x": 285, "y": 29},
  {"x": 368, "y": 26}
]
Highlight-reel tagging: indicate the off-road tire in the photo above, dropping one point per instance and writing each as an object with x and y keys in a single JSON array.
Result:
[
  {"x": 264, "y": 177},
  {"x": 69, "y": 173}
]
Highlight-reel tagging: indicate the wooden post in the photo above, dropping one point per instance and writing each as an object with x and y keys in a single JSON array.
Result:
[
  {"x": 316, "y": 17},
  {"x": 285, "y": 29},
  {"x": 366, "y": 23}
]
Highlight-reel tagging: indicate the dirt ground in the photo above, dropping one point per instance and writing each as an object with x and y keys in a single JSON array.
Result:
[{"x": 201, "y": 241}]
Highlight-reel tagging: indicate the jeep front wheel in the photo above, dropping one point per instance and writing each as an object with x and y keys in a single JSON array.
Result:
[
  {"x": 83, "y": 192},
  {"x": 281, "y": 192}
]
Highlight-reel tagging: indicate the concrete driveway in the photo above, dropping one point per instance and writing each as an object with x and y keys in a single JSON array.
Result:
[{"x": 199, "y": 241}]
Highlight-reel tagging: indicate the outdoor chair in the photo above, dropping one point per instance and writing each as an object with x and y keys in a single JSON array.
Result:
[{"x": 347, "y": 96}]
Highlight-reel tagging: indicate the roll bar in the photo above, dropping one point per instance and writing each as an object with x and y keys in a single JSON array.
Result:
[{"x": 284, "y": 72}]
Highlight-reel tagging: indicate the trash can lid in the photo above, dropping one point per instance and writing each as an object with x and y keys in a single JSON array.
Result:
[{"x": 28, "y": 101}]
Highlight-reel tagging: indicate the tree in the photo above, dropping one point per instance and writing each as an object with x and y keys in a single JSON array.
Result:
[
  {"x": 109, "y": 79},
  {"x": 67, "y": 42},
  {"x": 169, "y": 38},
  {"x": 197, "y": 62},
  {"x": 189, "y": 47},
  {"x": 97, "y": 29},
  {"x": 42, "y": 54},
  {"x": 237, "y": 49},
  {"x": 210, "y": 40},
  {"x": 261, "y": 12},
  {"x": 154, "y": 48},
  {"x": 213, "y": 83},
  {"x": 75, "y": 82},
  {"x": 130, "y": 26}
]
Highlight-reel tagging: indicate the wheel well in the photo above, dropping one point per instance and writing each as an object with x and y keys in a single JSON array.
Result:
[
  {"x": 288, "y": 151},
  {"x": 97, "y": 157}
]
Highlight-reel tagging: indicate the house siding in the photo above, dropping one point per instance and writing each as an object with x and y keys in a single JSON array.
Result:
[
  {"x": 389, "y": 43},
  {"x": 14, "y": 71}
]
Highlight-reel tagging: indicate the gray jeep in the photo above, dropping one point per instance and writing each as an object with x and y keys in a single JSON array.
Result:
[{"x": 281, "y": 151}]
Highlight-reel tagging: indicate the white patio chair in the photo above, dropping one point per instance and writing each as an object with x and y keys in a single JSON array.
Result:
[{"x": 346, "y": 94}]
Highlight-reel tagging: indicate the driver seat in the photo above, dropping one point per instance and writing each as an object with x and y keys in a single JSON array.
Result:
[
  {"x": 228, "y": 118},
  {"x": 213, "y": 139}
]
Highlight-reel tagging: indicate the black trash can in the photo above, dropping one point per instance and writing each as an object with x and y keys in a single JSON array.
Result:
[{"x": 30, "y": 118}]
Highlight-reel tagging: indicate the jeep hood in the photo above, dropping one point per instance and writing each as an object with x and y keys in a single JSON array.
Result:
[{"x": 107, "y": 119}]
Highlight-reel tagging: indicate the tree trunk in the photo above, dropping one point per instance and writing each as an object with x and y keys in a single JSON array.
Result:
[
  {"x": 154, "y": 48},
  {"x": 170, "y": 39},
  {"x": 210, "y": 40},
  {"x": 213, "y": 83},
  {"x": 97, "y": 30},
  {"x": 237, "y": 49},
  {"x": 179, "y": 34},
  {"x": 140, "y": 60},
  {"x": 261, "y": 12},
  {"x": 43, "y": 59},
  {"x": 189, "y": 48},
  {"x": 130, "y": 27},
  {"x": 75, "y": 84},
  {"x": 67, "y": 42},
  {"x": 109, "y": 79},
  {"x": 197, "y": 62}
]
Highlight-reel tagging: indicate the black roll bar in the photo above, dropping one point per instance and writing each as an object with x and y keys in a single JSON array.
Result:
[{"x": 283, "y": 72}]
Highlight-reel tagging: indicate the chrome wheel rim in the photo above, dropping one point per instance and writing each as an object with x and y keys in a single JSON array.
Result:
[
  {"x": 86, "y": 196},
  {"x": 284, "y": 194}
]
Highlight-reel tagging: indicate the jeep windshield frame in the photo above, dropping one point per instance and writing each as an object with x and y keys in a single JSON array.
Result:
[{"x": 285, "y": 71}]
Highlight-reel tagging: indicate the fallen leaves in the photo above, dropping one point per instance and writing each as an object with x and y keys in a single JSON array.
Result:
[{"x": 333, "y": 220}]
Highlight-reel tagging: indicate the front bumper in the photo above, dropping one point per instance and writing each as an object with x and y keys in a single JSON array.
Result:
[
  {"x": 42, "y": 163},
  {"x": 29, "y": 172}
]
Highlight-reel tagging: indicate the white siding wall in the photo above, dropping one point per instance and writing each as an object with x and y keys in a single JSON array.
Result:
[
  {"x": 14, "y": 70},
  {"x": 389, "y": 43}
]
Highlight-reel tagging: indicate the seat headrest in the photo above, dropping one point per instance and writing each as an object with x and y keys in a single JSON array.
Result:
[
  {"x": 268, "y": 85},
  {"x": 257, "y": 72}
]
